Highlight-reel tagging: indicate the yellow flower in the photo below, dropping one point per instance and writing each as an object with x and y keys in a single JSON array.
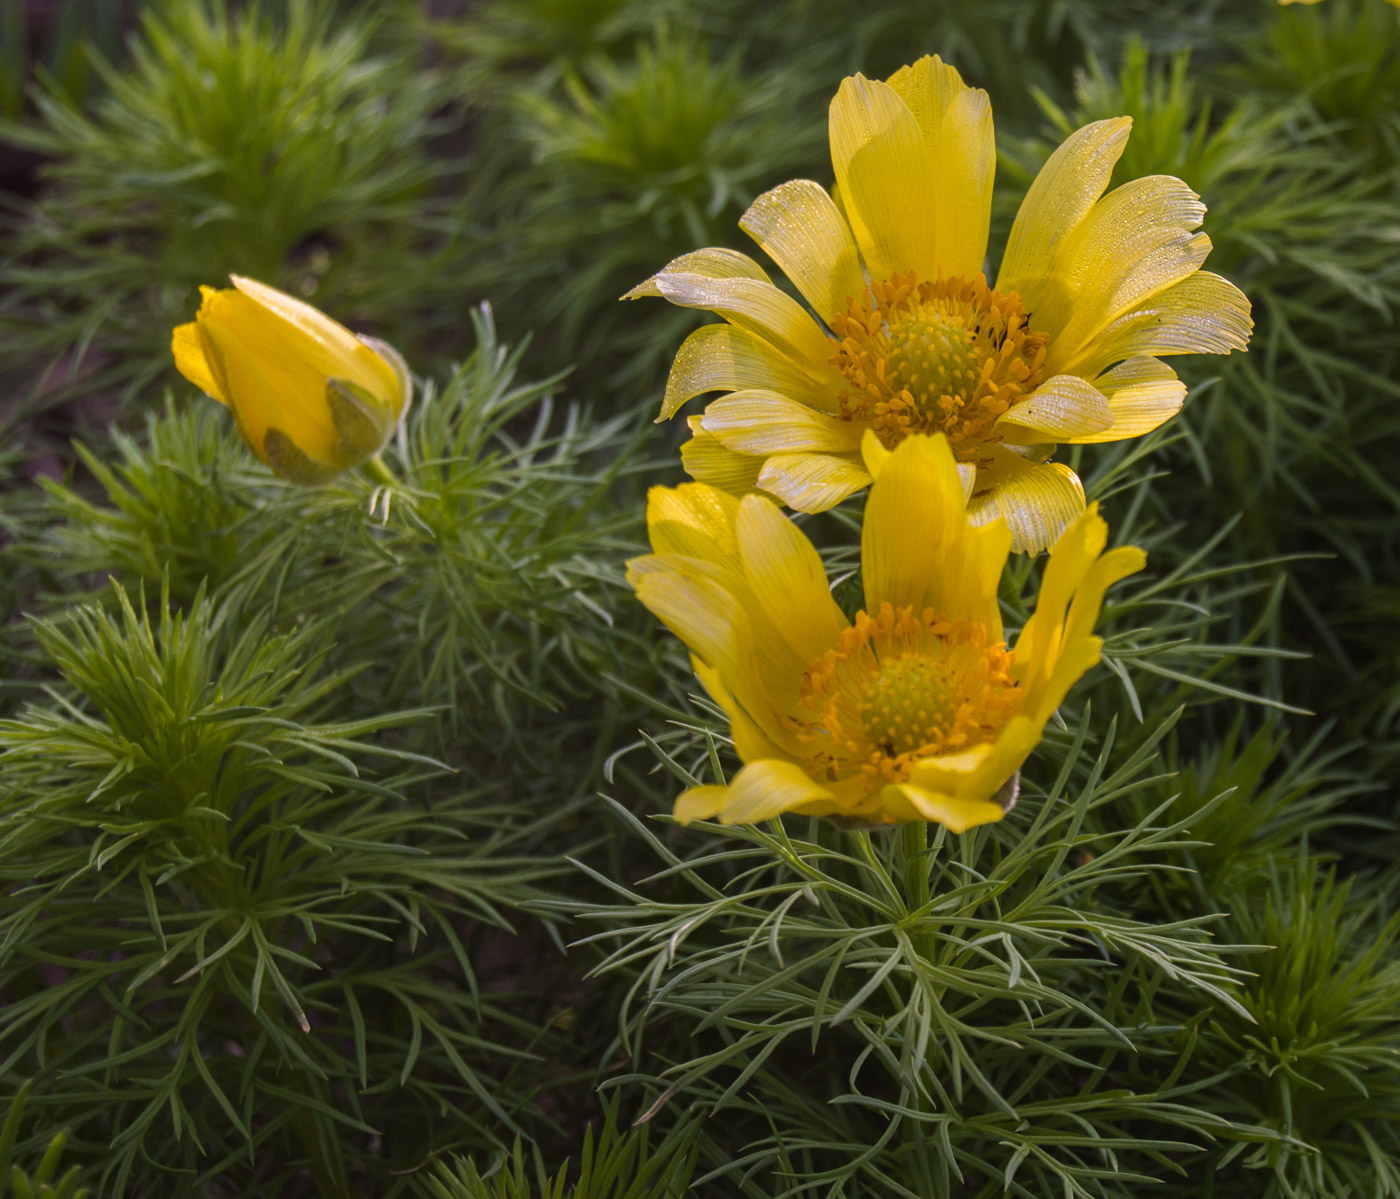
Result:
[
  {"x": 916, "y": 710},
  {"x": 310, "y": 397},
  {"x": 908, "y": 337}
]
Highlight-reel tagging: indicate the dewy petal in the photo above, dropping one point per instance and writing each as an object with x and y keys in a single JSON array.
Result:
[
  {"x": 757, "y": 306},
  {"x": 1202, "y": 314},
  {"x": 705, "y": 460},
  {"x": 1036, "y": 499},
  {"x": 956, "y": 122},
  {"x": 764, "y": 422},
  {"x": 1063, "y": 408},
  {"x": 761, "y": 791},
  {"x": 797, "y": 226},
  {"x": 1064, "y": 191},
  {"x": 726, "y": 358},
  {"x": 1142, "y": 394},
  {"x": 713, "y": 262},
  {"x": 188, "y": 349},
  {"x": 884, "y": 171},
  {"x": 1137, "y": 241},
  {"x": 811, "y": 482},
  {"x": 917, "y": 546}
]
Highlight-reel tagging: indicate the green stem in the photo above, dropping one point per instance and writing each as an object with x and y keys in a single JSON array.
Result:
[
  {"x": 380, "y": 473},
  {"x": 916, "y": 892}
]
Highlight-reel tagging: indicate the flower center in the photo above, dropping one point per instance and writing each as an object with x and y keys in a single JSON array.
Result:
[
  {"x": 948, "y": 356},
  {"x": 899, "y": 687}
]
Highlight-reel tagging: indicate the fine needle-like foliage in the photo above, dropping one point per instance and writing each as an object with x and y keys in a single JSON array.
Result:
[{"x": 336, "y": 859}]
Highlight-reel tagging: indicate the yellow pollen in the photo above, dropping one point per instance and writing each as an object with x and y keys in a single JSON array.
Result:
[
  {"x": 948, "y": 356},
  {"x": 898, "y": 687}
]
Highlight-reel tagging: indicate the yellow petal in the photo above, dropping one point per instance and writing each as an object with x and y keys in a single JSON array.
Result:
[
  {"x": 695, "y": 521},
  {"x": 799, "y": 228},
  {"x": 713, "y": 262},
  {"x": 917, "y": 545},
  {"x": 750, "y": 741},
  {"x": 763, "y": 790},
  {"x": 689, "y": 598},
  {"x": 1071, "y": 557},
  {"x": 979, "y": 774},
  {"x": 1062, "y": 408},
  {"x": 764, "y": 422},
  {"x": 1142, "y": 394},
  {"x": 1136, "y": 242},
  {"x": 786, "y": 578},
  {"x": 956, "y": 122},
  {"x": 1202, "y": 314},
  {"x": 327, "y": 346},
  {"x": 874, "y": 454},
  {"x": 1064, "y": 191},
  {"x": 957, "y": 815},
  {"x": 761, "y": 309},
  {"x": 811, "y": 482},
  {"x": 1036, "y": 499},
  {"x": 884, "y": 171},
  {"x": 726, "y": 358},
  {"x": 269, "y": 384},
  {"x": 189, "y": 360},
  {"x": 706, "y": 461}
]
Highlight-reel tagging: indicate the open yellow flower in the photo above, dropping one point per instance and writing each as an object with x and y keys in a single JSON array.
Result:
[
  {"x": 309, "y": 397},
  {"x": 916, "y": 710},
  {"x": 907, "y": 335}
]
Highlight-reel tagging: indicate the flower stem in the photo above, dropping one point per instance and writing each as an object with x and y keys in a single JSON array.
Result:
[
  {"x": 380, "y": 473},
  {"x": 916, "y": 892}
]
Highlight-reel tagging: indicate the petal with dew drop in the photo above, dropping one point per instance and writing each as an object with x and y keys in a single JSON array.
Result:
[
  {"x": 723, "y": 357},
  {"x": 811, "y": 482},
  {"x": 1067, "y": 187},
  {"x": 798, "y": 226},
  {"x": 764, "y": 422},
  {"x": 1062, "y": 408},
  {"x": 1143, "y": 393},
  {"x": 1136, "y": 242},
  {"x": 705, "y": 460},
  {"x": 1202, "y": 314},
  {"x": 758, "y": 307},
  {"x": 713, "y": 262},
  {"x": 694, "y": 521},
  {"x": 1036, "y": 499}
]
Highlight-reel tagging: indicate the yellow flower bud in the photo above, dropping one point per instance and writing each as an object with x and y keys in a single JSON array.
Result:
[{"x": 310, "y": 397}]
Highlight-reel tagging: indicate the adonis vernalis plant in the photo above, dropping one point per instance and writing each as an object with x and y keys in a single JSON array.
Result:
[
  {"x": 914, "y": 711},
  {"x": 909, "y": 336}
]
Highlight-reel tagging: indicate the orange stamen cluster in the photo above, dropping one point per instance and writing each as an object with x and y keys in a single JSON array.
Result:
[
  {"x": 898, "y": 687},
  {"x": 948, "y": 356}
]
